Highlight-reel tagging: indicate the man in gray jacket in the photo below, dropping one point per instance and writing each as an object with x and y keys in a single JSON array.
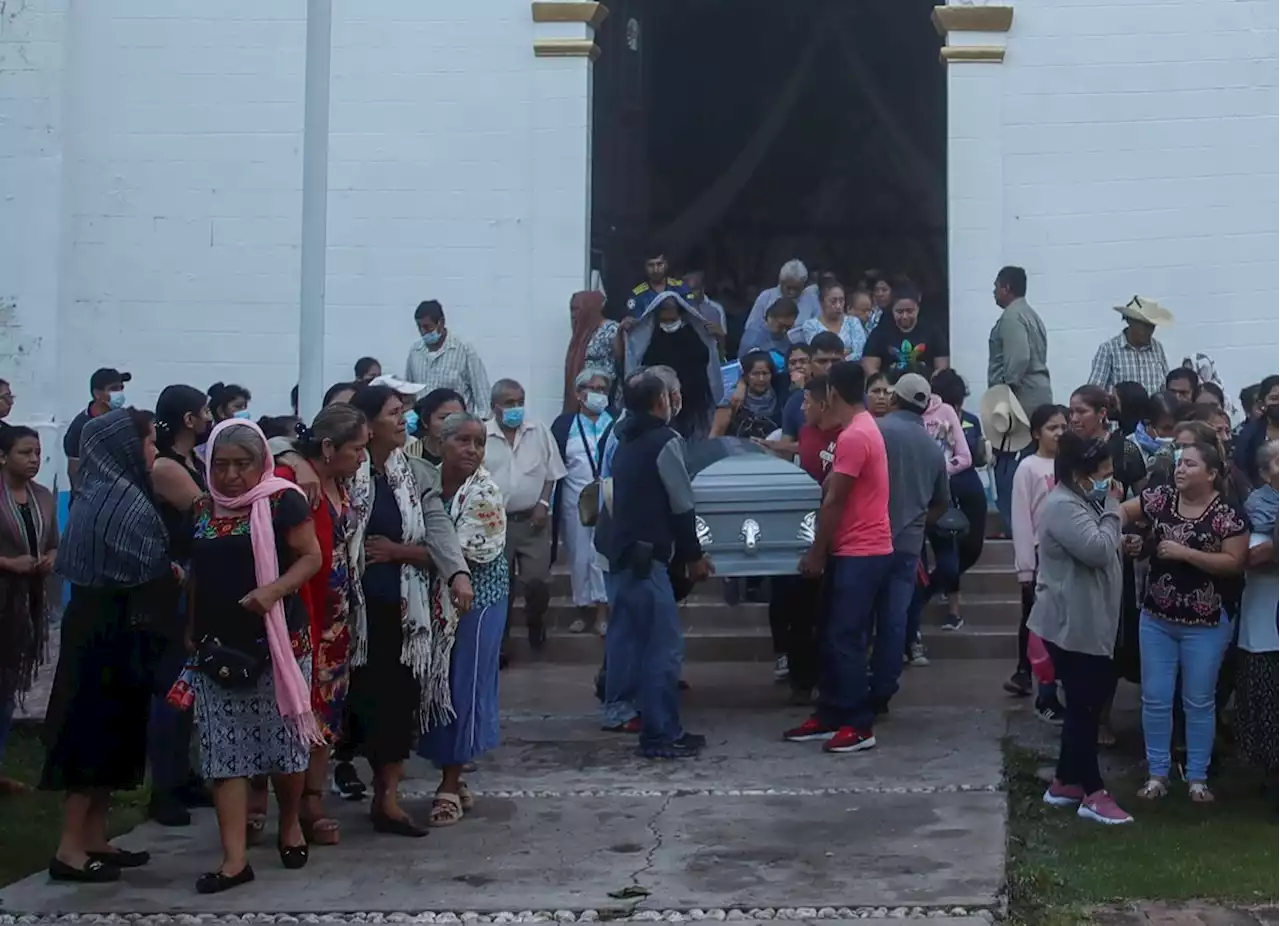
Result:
[{"x": 1019, "y": 351}]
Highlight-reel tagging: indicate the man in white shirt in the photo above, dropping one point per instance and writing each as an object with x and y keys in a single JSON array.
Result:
[
  {"x": 439, "y": 360},
  {"x": 525, "y": 462}
]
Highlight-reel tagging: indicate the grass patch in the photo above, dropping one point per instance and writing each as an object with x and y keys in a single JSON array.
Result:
[
  {"x": 31, "y": 822},
  {"x": 1059, "y": 866}
]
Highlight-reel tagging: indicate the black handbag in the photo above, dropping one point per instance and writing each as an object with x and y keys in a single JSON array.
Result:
[
  {"x": 228, "y": 666},
  {"x": 952, "y": 522}
]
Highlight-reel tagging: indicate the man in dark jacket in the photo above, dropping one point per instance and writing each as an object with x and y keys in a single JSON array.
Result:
[{"x": 651, "y": 529}]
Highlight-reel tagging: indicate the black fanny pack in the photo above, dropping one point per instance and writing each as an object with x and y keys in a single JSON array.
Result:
[{"x": 230, "y": 666}]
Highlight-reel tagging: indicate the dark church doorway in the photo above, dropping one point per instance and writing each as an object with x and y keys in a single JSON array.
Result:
[{"x": 735, "y": 134}]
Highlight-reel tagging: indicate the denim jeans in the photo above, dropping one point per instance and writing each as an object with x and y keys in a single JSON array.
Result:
[
  {"x": 857, "y": 589},
  {"x": 892, "y": 613},
  {"x": 651, "y": 651},
  {"x": 1003, "y": 466},
  {"x": 1198, "y": 651},
  {"x": 945, "y": 576},
  {"x": 6, "y": 723},
  {"x": 620, "y": 661},
  {"x": 1089, "y": 682}
]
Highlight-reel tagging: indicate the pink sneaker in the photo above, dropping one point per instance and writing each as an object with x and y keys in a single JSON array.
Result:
[
  {"x": 1101, "y": 807},
  {"x": 1060, "y": 795}
]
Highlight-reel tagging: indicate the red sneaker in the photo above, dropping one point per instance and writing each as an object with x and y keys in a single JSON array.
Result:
[
  {"x": 1060, "y": 795},
  {"x": 811, "y": 729},
  {"x": 631, "y": 726},
  {"x": 847, "y": 739},
  {"x": 1101, "y": 807}
]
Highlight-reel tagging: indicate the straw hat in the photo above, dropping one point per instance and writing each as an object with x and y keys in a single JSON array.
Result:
[
  {"x": 1004, "y": 423},
  {"x": 398, "y": 384},
  {"x": 1145, "y": 310}
]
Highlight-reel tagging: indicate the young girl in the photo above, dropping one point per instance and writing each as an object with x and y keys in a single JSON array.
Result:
[{"x": 1032, "y": 483}]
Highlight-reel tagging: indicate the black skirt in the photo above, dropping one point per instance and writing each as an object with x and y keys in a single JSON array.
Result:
[
  {"x": 382, "y": 704},
  {"x": 96, "y": 723}
]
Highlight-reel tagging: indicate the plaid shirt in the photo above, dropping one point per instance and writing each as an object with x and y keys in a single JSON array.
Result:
[
  {"x": 456, "y": 365},
  {"x": 1118, "y": 361}
]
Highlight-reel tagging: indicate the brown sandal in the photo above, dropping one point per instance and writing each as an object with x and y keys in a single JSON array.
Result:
[{"x": 318, "y": 831}]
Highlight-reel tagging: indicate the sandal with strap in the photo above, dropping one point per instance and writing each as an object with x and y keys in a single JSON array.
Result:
[
  {"x": 1200, "y": 793},
  {"x": 255, "y": 827},
  {"x": 446, "y": 809},
  {"x": 468, "y": 799},
  {"x": 319, "y": 831},
  {"x": 1154, "y": 789}
]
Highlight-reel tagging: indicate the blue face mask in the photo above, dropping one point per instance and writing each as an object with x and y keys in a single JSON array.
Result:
[
  {"x": 411, "y": 422},
  {"x": 512, "y": 417},
  {"x": 116, "y": 400},
  {"x": 432, "y": 338},
  {"x": 243, "y": 415},
  {"x": 596, "y": 402},
  {"x": 1100, "y": 489}
]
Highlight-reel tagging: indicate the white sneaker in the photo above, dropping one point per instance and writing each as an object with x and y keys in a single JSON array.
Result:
[
  {"x": 781, "y": 669},
  {"x": 917, "y": 657}
]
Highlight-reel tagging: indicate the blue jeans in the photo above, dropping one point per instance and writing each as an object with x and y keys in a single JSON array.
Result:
[
  {"x": 945, "y": 574},
  {"x": 857, "y": 590},
  {"x": 649, "y": 648},
  {"x": 6, "y": 723},
  {"x": 1003, "y": 466},
  {"x": 619, "y": 673},
  {"x": 892, "y": 616},
  {"x": 1166, "y": 646}
]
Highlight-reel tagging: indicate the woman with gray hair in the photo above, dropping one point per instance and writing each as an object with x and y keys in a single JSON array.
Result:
[
  {"x": 581, "y": 436},
  {"x": 1256, "y": 692},
  {"x": 793, "y": 283},
  {"x": 475, "y": 504}
]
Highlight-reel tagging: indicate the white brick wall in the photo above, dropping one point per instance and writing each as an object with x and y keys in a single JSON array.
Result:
[{"x": 1139, "y": 157}]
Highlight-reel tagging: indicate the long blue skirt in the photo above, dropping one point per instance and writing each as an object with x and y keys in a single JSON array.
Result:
[{"x": 473, "y": 683}]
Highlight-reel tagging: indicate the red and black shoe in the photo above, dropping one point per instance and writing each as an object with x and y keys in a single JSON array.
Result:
[
  {"x": 848, "y": 739},
  {"x": 631, "y": 726},
  {"x": 811, "y": 730}
]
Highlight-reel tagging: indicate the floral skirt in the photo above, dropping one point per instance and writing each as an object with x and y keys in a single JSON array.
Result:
[
  {"x": 1257, "y": 705},
  {"x": 241, "y": 731}
]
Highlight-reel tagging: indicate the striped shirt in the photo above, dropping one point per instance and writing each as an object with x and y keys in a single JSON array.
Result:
[
  {"x": 456, "y": 365},
  {"x": 1118, "y": 361}
]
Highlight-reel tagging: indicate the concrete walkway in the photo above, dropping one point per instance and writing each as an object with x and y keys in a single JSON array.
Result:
[{"x": 569, "y": 820}]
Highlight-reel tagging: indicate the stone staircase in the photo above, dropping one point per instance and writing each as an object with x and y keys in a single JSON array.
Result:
[{"x": 716, "y": 631}]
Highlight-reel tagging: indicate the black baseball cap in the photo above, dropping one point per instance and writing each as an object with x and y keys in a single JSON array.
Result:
[{"x": 106, "y": 376}]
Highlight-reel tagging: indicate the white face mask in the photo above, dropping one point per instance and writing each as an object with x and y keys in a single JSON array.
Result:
[{"x": 672, "y": 327}]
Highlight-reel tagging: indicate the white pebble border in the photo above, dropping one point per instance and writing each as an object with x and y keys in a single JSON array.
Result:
[
  {"x": 451, "y": 918},
  {"x": 685, "y": 791}
]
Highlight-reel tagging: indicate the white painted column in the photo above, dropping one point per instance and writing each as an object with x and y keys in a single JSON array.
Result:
[{"x": 975, "y": 46}]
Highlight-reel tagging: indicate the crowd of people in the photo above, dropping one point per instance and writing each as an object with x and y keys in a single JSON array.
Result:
[{"x": 304, "y": 593}]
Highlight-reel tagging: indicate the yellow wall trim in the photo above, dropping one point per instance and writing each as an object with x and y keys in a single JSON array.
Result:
[
  {"x": 593, "y": 14},
  {"x": 566, "y": 48},
  {"x": 972, "y": 19},
  {"x": 958, "y": 53}
]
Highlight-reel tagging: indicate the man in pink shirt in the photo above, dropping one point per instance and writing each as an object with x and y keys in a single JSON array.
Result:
[{"x": 853, "y": 546}]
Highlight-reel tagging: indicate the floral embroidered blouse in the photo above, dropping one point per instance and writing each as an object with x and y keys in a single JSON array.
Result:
[
  {"x": 480, "y": 518},
  {"x": 1180, "y": 592}
]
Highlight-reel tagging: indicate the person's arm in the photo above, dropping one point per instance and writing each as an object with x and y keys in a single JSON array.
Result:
[
  {"x": 960, "y": 458},
  {"x": 174, "y": 484},
  {"x": 477, "y": 383},
  {"x": 1230, "y": 562},
  {"x": 1095, "y": 545},
  {"x": 1262, "y": 556},
  {"x": 674, "y": 473},
  {"x": 1024, "y": 534},
  {"x": 941, "y": 363},
  {"x": 720, "y": 423},
  {"x": 1017, "y": 348},
  {"x": 1131, "y": 511},
  {"x": 1100, "y": 372},
  {"x": 301, "y": 540},
  {"x": 835, "y": 494}
]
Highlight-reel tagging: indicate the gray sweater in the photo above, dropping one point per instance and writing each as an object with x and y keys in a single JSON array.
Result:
[
  {"x": 1019, "y": 356},
  {"x": 1078, "y": 582}
]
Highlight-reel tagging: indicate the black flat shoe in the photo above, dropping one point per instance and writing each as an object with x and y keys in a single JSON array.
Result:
[
  {"x": 294, "y": 857},
  {"x": 215, "y": 882},
  {"x": 393, "y": 827},
  {"x": 93, "y": 872},
  {"x": 121, "y": 858}
]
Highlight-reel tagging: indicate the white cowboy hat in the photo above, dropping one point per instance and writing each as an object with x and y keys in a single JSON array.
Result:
[
  {"x": 1004, "y": 422},
  {"x": 1145, "y": 310},
  {"x": 399, "y": 385}
]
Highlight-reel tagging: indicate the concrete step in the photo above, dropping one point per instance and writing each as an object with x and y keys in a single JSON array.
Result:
[{"x": 753, "y": 644}]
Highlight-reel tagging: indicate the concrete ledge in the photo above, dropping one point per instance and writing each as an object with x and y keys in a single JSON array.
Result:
[
  {"x": 546, "y": 11},
  {"x": 971, "y": 19},
  {"x": 990, "y": 54},
  {"x": 566, "y": 48}
]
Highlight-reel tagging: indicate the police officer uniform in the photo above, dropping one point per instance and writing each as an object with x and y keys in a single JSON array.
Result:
[{"x": 644, "y": 294}]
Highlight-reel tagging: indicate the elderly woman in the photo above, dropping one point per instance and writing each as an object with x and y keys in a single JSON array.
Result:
[
  {"x": 28, "y": 589},
  {"x": 833, "y": 318},
  {"x": 115, "y": 555},
  {"x": 254, "y": 549},
  {"x": 334, "y": 446},
  {"x": 793, "y": 283},
  {"x": 755, "y": 408},
  {"x": 593, "y": 344},
  {"x": 475, "y": 505},
  {"x": 431, "y": 411},
  {"x": 1259, "y": 642},
  {"x": 670, "y": 333},
  {"x": 581, "y": 436},
  {"x": 413, "y": 581}
]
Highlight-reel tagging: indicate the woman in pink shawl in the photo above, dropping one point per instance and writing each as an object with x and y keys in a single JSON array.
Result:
[{"x": 254, "y": 547}]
